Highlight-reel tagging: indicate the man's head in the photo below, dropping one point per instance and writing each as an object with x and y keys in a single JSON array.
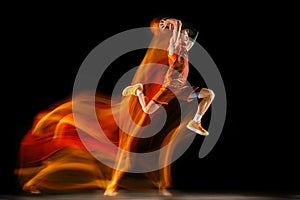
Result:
[
  {"x": 188, "y": 35},
  {"x": 185, "y": 38}
]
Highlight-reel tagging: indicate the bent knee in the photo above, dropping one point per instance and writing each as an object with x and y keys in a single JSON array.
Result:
[
  {"x": 211, "y": 94},
  {"x": 207, "y": 93}
]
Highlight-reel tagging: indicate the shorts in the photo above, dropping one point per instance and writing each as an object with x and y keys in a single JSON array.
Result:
[{"x": 166, "y": 94}]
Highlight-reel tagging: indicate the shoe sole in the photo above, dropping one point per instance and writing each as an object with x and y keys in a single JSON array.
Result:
[{"x": 197, "y": 131}]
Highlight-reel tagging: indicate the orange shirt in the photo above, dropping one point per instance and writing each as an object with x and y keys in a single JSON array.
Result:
[{"x": 178, "y": 68}]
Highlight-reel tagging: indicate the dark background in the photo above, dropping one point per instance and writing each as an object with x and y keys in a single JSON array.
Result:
[{"x": 43, "y": 47}]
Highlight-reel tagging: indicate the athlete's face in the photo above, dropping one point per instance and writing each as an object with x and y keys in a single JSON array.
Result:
[{"x": 184, "y": 37}]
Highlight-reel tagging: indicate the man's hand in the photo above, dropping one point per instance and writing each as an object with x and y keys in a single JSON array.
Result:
[{"x": 170, "y": 24}]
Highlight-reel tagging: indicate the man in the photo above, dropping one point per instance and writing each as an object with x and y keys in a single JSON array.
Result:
[
  {"x": 155, "y": 86},
  {"x": 174, "y": 85}
]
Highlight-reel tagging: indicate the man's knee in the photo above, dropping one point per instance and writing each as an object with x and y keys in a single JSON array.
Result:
[
  {"x": 211, "y": 94},
  {"x": 206, "y": 93}
]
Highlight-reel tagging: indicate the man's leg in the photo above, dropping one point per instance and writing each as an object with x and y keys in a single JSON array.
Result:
[
  {"x": 137, "y": 90},
  {"x": 206, "y": 96},
  {"x": 122, "y": 164},
  {"x": 111, "y": 189}
]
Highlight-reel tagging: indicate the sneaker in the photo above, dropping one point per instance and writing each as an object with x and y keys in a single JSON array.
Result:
[
  {"x": 196, "y": 127},
  {"x": 131, "y": 90}
]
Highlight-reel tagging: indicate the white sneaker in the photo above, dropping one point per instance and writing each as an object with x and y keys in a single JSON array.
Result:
[
  {"x": 196, "y": 127},
  {"x": 131, "y": 90}
]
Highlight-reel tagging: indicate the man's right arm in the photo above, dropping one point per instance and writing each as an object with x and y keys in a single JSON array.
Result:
[
  {"x": 173, "y": 25},
  {"x": 175, "y": 37}
]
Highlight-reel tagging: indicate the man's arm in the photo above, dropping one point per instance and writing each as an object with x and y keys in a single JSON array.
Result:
[
  {"x": 175, "y": 37},
  {"x": 173, "y": 46},
  {"x": 173, "y": 25}
]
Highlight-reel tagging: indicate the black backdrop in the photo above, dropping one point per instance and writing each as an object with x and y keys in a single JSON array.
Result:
[{"x": 257, "y": 150}]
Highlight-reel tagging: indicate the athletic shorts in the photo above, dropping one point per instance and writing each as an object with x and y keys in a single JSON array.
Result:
[{"x": 166, "y": 94}]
